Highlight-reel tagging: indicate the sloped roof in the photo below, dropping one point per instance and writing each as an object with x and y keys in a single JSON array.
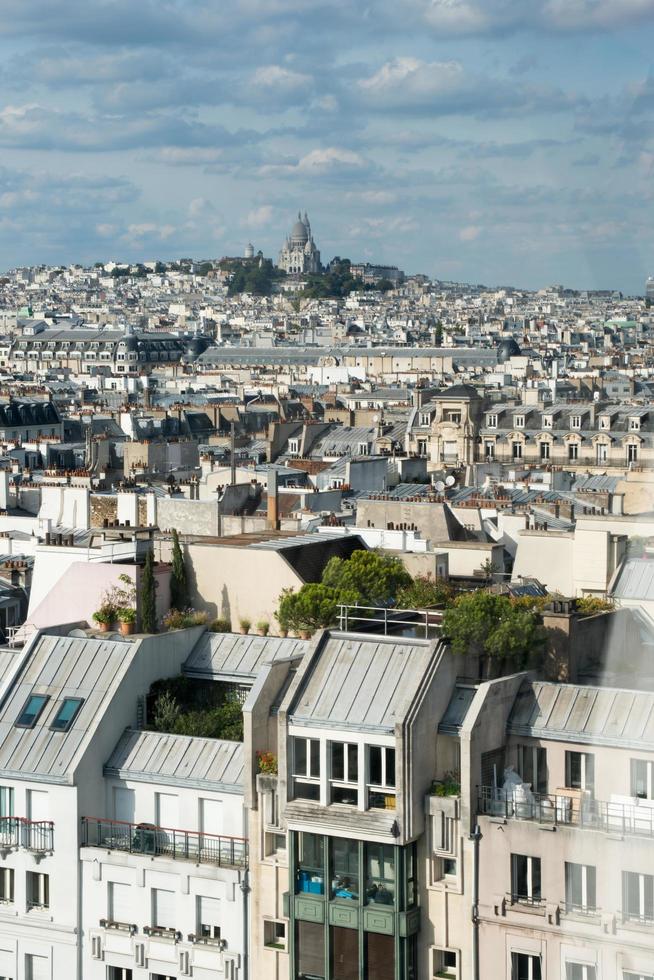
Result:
[
  {"x": 578, "y": 713},
  {"x": 635, "y": 579},
  {"x": 232, "y": 657},
  {"x": 361, "y": 684},
  {"x": 59, "y": 667},
  {"x": 178, "y": 760}
]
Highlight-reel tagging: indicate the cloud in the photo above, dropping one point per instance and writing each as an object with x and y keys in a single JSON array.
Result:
[
  {"x": 470, "y": 233},
  {"x": 448, "y": 87},
  {"x": 259, "y": 217},
  {"x": 465, "y": 17}
]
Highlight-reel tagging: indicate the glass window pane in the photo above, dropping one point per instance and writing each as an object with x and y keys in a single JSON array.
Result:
[
  {"x": 310, "y": 873},
  {"x": 345, "y": 953},
  {"x": 66, "y": 714},
  {"x": 345, "y": 869},
  {"x": 315, "y": 757},
  {"x": 380, "y": 957},
  {"x": 375, "y": 757},
  {"x": 380, "y": 874},
  {"x": 338, "y": 761},
  {"x": 31, "y": 711},
  {"x": 352, "y": 763},
  {"x": 390, "y": 767},
  {"x": 310, "y": 950},
  {"x": 300, "y": 752}
]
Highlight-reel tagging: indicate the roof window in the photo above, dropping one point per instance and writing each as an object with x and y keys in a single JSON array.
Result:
[
  {"x": 66, "y": 714},
  {"x": 31, "y": 711}
]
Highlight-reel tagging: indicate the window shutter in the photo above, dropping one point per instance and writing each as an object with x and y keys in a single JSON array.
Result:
[
  {"x": 163, "y": 908},
  {"x": 120, "y": 902},
  {"x": 209, "y": 911}
]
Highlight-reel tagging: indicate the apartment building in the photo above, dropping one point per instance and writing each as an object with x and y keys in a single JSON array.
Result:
[
  {"x": 338, "y": 832},
  {"x": 122, "y": 852}
]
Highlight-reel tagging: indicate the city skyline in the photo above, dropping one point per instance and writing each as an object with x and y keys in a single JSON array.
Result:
[{"x": 501, "y": 143}]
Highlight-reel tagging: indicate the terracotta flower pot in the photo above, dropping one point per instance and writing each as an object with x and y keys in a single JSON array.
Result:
[
  {"x": 127, "y": 629},
  {"x": 305, "y": 634},
  {"x": 104, "y": 627}
]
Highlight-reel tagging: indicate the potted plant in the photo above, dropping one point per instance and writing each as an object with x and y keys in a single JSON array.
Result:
[
  {"x": 127, "y": 620},
  {"x": 245, "y": 626},
  {"x": 104, "y": 617},
  {"x": 305, "y": 632},
  {"x": 262, "y": 627}
]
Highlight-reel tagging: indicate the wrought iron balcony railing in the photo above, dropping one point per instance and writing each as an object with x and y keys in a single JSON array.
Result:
[
  {"x": 32, "y": 835},
  {"x": 624, "y": 819},
  {"x": 183, "y": 845}
]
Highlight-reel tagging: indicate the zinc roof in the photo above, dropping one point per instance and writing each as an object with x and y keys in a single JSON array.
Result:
[
  {"x": 59, "y": 667},
  {"x": 576, "y": 713},
  {"x": 178, "y": 760},
  {"x": 362, "y": 684},
  {"x": 232, "y": 657},
  {"x": 635, "y": 579}
]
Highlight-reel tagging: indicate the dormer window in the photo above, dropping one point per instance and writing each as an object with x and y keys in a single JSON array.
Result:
[
  {"x": 575, "y": 421},
  {"x": 294, "y": 446},
  {"x": 605, "y": 422},
  {"x": 634, "y": 424},
  {"x": 491, "y": 421},
  {"x": 548, "y": 421},
  {"x": 363, "y": 449},
  {"x": 425, "y": 418},
  {"x": 519, "y": 421}
]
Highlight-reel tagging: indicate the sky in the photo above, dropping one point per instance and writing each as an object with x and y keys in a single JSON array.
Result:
[{"x": 506, "y": 142}]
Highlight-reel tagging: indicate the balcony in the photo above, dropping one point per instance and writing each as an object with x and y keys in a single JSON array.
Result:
[
  {"x": 622, "y": 819},
  {"x": 32, "y": 835},
  {"x": 178, "y": 845}
]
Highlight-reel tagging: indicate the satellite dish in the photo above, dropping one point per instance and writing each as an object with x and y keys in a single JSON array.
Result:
[
  {"x": 449, "y": 481},
  {"x": 440, "y": 486}
]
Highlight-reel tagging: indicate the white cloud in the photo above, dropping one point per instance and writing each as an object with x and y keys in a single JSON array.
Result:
[
  {"x": 258, "y": 217},
  {"x": 470, "y": 233},
  {"x": 276, "y": 77}
]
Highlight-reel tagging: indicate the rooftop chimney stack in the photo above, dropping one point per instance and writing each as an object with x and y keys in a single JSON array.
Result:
[{"x": 273, "y": 500}]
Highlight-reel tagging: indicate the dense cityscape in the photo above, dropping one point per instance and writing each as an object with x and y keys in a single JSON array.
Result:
[{"x": 327, "y": 609}]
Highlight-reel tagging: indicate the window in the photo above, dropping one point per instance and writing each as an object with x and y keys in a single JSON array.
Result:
[
  {"x": 637, "y": 896},
  {"x": 380, "y": 874},
  {"x": 579, "y": 887},
  {"x": 363, "y": 449},
  {"x": 445, "y": 963},
  {"x": 580, "y": 771},
  {"x": 632, "y": 453},
  {"x": 548, "y": 422},
  {"x": 344, "y": 773},
  {"x": 344, "y": 869},
  {"x": 31, "y": 711},
  {"x": 208, "y": 916},
  {"x": 489, "y": 450},
  {"x": 580, "y": 971},
  {"x": 636, "y": 976},
  {"x": 310, "y": 872},
  {"x": 519, "y": 421},
  {"x": 37, "y": 967},
  {"x": 532, "y": 766},
  {"x": 310, "y": 950},
  {"x": 163, "y": 909},
  {"x": 544, "y": 450},
  {"x": 118, "y": 973},
  {"x": 344, "y": 953},
  {"x": 381, "y": 773},
  {"x": 66, "y": 714},
  {"x": 294, "y": 446},
  {"x": 525, "y": 879},
  {"x": 517, "y": 450},
  {"x": 274, "y": 933},
  {"x": 306, "y": 768},
  {"x": 575, "y": 421},
  {"x": 162, "y": 976},
  {"x": 491, "y": 421},
  {"x": 38, "y": 890},
  {"x": 641, "y": 779},
  {"x": 634, "y": 424},
  {"x": 6, "y": 886},
  {"x": 605, "y": 422},
  {"x": 380, "y": 956},
  {"x": 119, "y": 902},
  {"x": 425, "y": 418},
  {"x": 525, "y": 966},
  {"x": 6, "y": 801},
  {"x": 602, "y": 452},
  {"x": 573, "y": 451}
]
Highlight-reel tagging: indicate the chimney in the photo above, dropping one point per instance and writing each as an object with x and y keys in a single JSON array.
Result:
[{"x": 273, "y": 500}]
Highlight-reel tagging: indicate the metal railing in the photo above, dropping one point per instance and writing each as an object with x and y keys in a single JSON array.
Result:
[
  {"x": 421, "y": 623},
  {"x": 624, "y": 819},
  {"x": 146, "y": 838},
  {"x": 571, "y": 908},
  {"x": 33, "y": 835},
  {"x": 528, "y": 901}
]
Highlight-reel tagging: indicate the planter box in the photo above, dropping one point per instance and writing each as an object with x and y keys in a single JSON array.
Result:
[
  {"x": 447, "y": 805},
  {"x": 266, "y": 782}
]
